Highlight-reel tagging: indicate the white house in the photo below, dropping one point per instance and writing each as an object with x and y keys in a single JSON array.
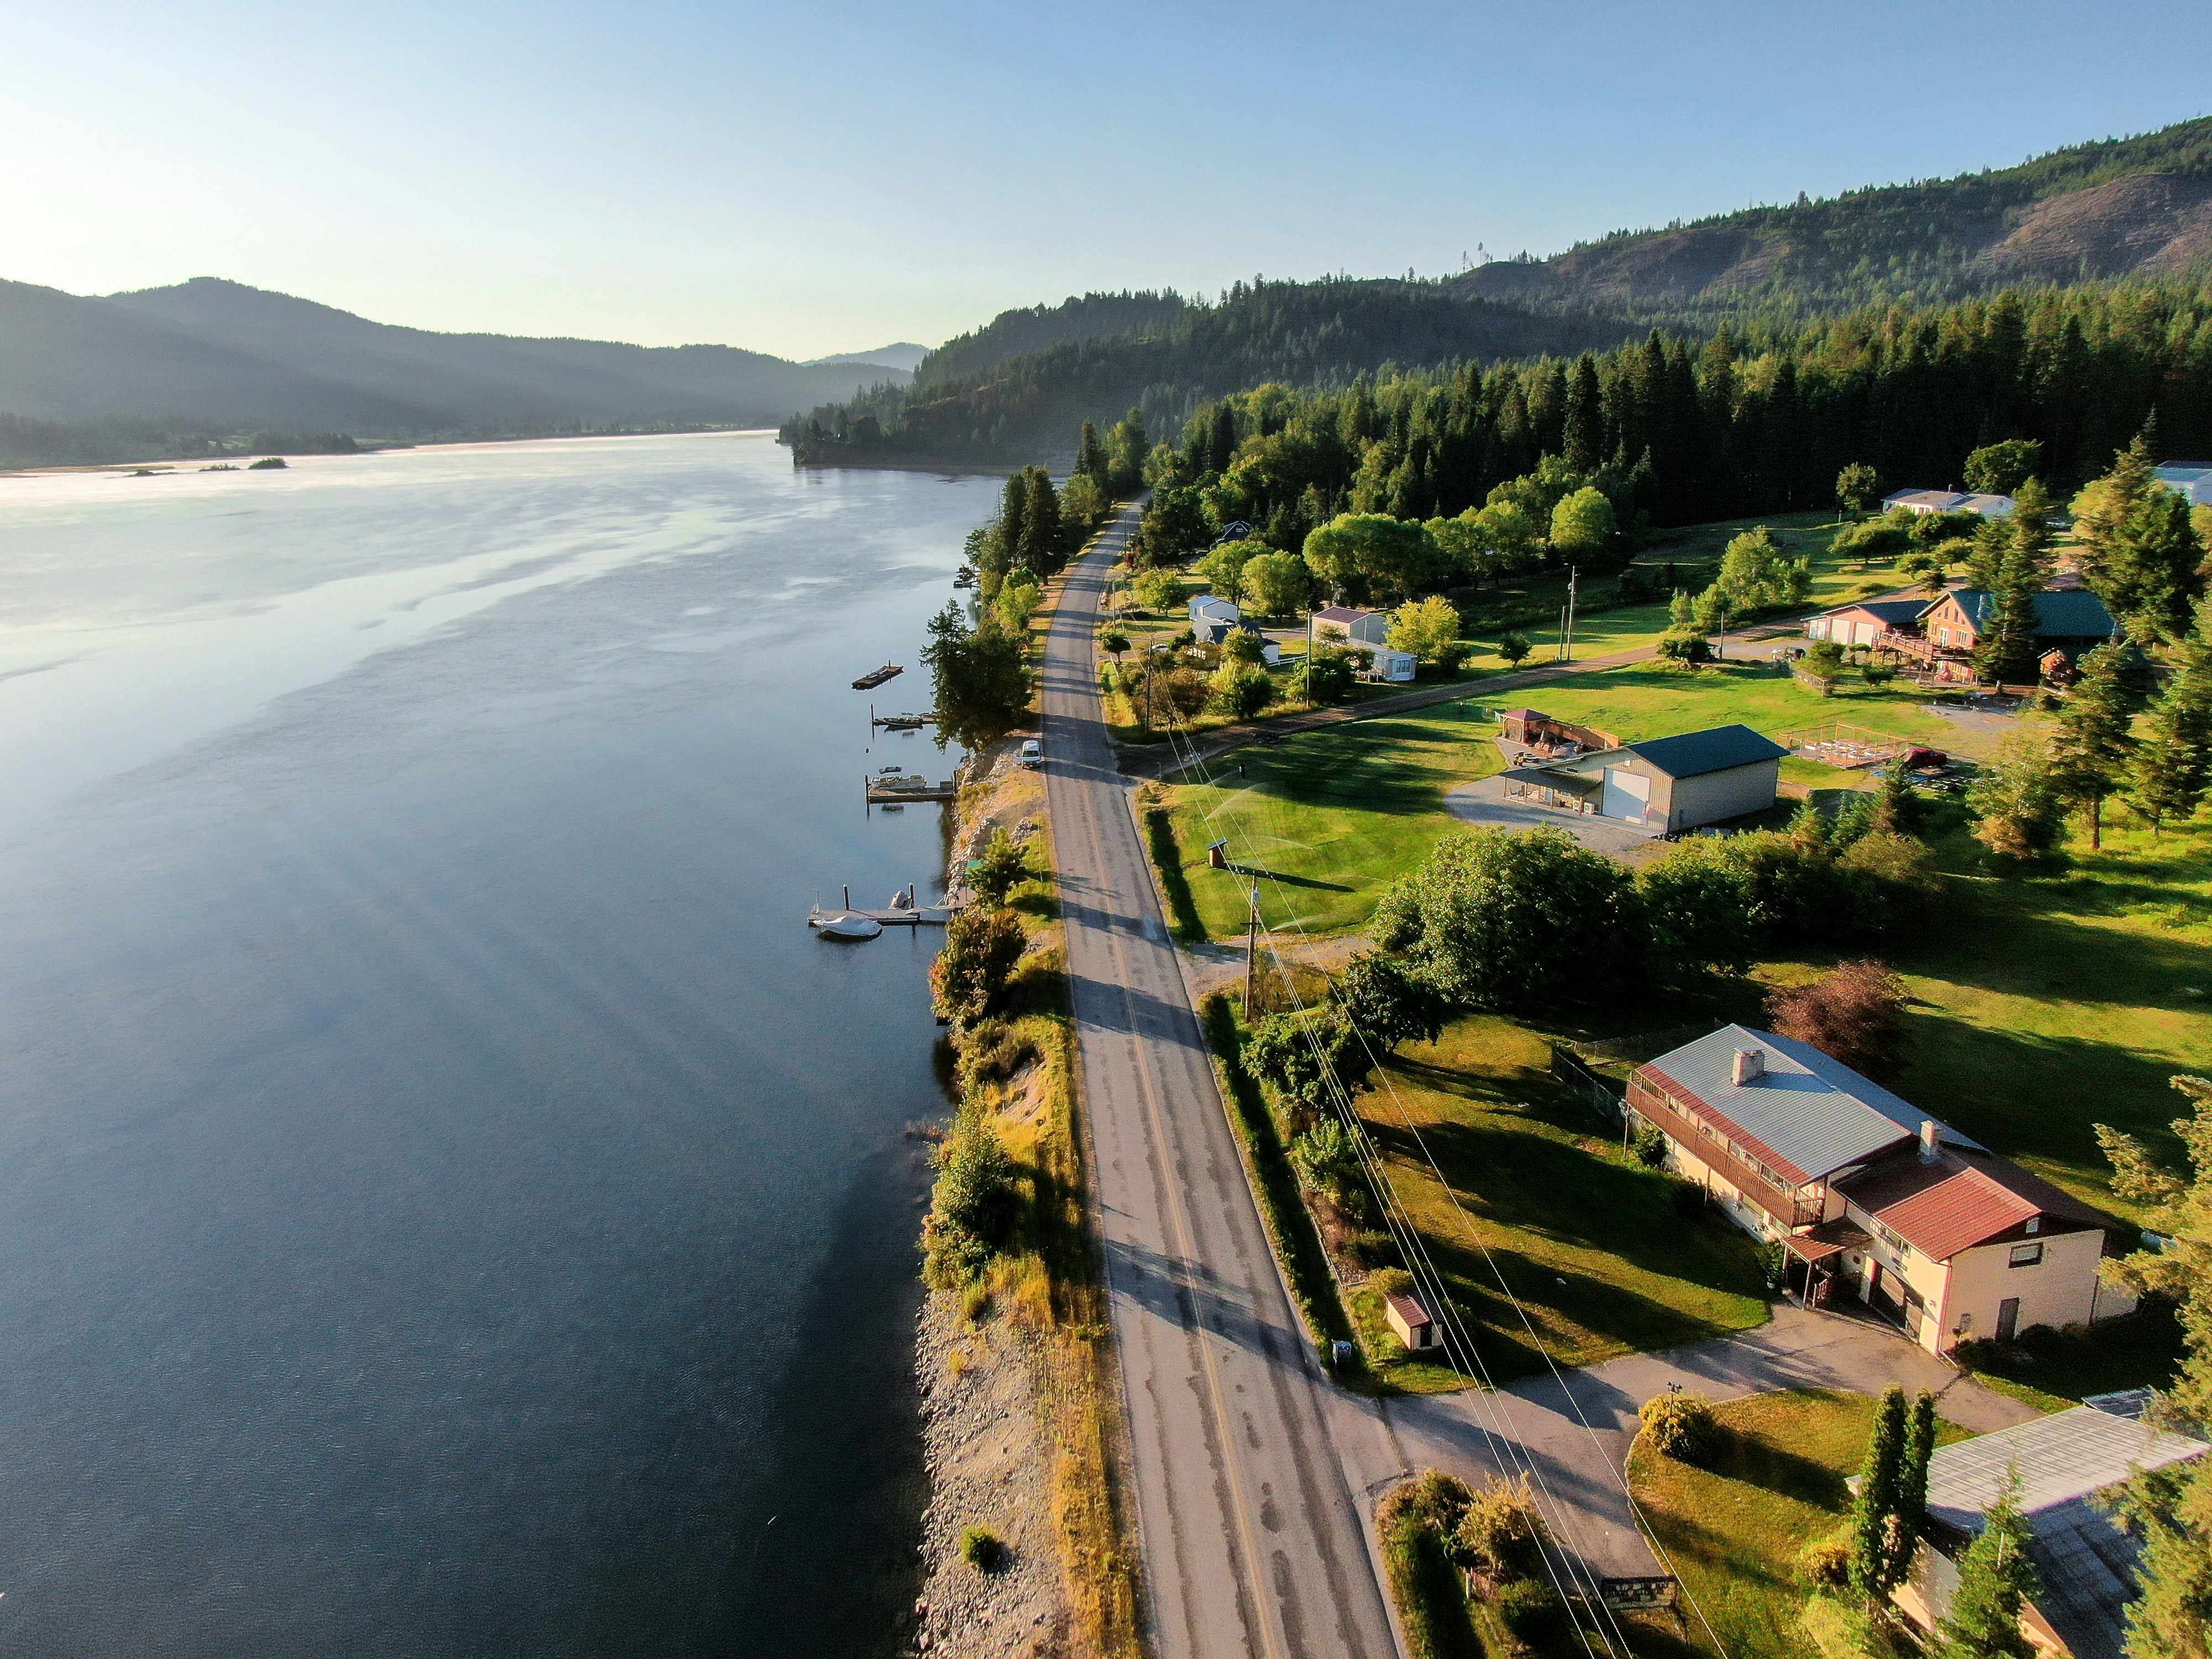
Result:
[
  {"x": 1395, "y": 666},
  {"x": 1344, "y": 625},
  {"x": 1206, "y": 608},
  {"x": 1949, "y": 501},
  {"x": 2192, "y": 478}
]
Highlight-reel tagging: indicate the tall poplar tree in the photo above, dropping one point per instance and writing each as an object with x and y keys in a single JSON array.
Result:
[
  {"x": 1585, "y": 417},
  {"x": 1091, "y": 455},
  {"x": 1873, "y": 1511},
  {"x": 1041, "y": 529}
]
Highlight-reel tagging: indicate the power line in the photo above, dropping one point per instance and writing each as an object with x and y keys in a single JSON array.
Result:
[{"x": 1635, "y": 1511}]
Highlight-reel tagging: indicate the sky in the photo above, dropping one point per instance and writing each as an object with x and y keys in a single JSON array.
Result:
[{"x": 831, "y": 176}]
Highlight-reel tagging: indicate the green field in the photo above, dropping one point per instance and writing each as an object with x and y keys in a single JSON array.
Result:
[
  {"x": 1537, "y": 1198},
  {"x": 2046, "y": 1002},
  {"x": 1734, "y": 1531}
]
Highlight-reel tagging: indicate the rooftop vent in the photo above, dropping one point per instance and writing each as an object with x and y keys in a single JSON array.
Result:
[{"x": 1750, "y": 1063}]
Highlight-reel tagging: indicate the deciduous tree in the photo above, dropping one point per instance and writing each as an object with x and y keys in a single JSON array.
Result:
[
  {"x": 1277, "y": 582},
  {"x": 1858, "y": 487},
  {"x": 2000, "y": 469},
  {"x": 1582, "y": 525},
  {"x": 1854, "y": 1014},
  {"x": 1386, "y": 1002},
  {"x": 1425, "y": 627}
]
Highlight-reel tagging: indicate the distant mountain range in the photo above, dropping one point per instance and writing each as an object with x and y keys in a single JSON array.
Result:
[
  {"x": 905, "y": 355},
  {"x": 1017, "y": 389},
  {"x": 210, "y": 354},
  {"x": 2122, "y": 207}
]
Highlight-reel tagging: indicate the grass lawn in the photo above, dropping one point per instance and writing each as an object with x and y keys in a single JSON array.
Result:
[
  {"x": 1735, "y": 1531},
  {"x": 2046, "y": 1002},
  {"x": 1330, "y": 815},
  {"x": 1583, "y": 1236}
]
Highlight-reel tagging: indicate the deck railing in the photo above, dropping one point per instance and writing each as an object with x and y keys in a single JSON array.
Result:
[{"x": 1781, "y": 1202}]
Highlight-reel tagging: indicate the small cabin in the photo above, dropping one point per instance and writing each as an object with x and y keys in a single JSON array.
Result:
[
  {"x": 1947, "y": 501},
  {"x": 1206, "y": 608},
  {"x": 1863, "y": 624},
  {"x": 1393, "y": 666},
  {"x": 1410, "y": 1323}
]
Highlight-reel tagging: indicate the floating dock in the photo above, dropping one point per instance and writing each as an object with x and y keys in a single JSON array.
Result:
[
  {"x": 898, "y": 790},
  {"x": 925, "y": 915},
  {"x": 869, "y": 682}
]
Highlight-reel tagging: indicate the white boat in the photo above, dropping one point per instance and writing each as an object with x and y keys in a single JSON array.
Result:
[{"x": 844, "y": 924}]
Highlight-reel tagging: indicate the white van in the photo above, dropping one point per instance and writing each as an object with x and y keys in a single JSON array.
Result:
[{"x": 1032, "y": 753}]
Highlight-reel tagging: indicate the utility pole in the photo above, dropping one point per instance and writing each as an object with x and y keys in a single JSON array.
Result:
[
  {"x": 1567, "y": 634},
  {"x": 1252, "y": 957}
]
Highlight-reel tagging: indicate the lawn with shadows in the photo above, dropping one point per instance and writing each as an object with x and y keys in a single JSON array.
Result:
[
  {"x": 1536, "y": 1192},
  {"x": 1324, "y": 819},
  {"x": 1735, "y": 1530}
]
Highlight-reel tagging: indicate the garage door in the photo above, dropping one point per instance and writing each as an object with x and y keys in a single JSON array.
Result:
[{"x": 1626, "y": 794}]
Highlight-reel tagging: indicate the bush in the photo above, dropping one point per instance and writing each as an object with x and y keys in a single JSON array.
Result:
[
  {"x": 981, "y": 950},
  {"x": 1004, "y": 866},
  {"x": 973, "y": 1204},
  {"x": 1502, "y": 1533},
  {"x": 1826, "y": 1564},
  {"x": 1531, "y": 1612},
  {"x": 982, "y": 1550},
  {"x": 1681, "y": 1426},
  {"x": 1392, "y": 1281},
  {"x": 1242, "y": 690},
  {"x": 1651, "y": 1145}
]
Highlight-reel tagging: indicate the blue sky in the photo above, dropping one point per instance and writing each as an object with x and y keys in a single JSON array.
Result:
[{"x": 805, "y": 178}]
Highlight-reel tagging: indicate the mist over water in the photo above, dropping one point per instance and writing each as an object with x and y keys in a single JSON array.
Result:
[{"x": 448, "y": 1202}]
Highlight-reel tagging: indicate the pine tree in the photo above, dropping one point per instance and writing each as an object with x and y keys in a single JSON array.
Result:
[
  {"x": 1585, "y": 428},
  {"x": 1040, "y": 528},
  {"x": 1896, "y": 806},
  {"x": 2020, "y": 548},
  {"x": 1996, "y": 1579},
  {"x": 1091, "y": 455},
  {"x": 1011, "y": 509},
  {"x": 2143, "y": 555},
  {"x": 1871, "y": 1532},
  {"x": 2172, "y": 766},
  {"x": 2090, "y": 747}
]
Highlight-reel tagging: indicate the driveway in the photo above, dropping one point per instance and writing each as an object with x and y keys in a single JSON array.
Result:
[
  {"x": 1483, "y": 805},
  {"x": 1576, "y": 1426}
]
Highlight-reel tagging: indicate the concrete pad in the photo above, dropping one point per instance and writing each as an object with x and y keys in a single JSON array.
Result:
[{"x": 1483, "y": 804}]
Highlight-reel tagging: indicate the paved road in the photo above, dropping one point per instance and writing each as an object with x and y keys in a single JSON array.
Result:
[{"x": 1254, "y": 1544}]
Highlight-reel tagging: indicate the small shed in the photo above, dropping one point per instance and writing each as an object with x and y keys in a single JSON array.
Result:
[
  {"x": 1947, "y": 501},
  {"x": 1411, "y": 1323},
  {"x": 1395, "y": 666}
]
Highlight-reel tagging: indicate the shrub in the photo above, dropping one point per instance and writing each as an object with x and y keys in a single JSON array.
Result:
[
  {"x": 1501, "y": 1533},
  {"x": 1681, "y": 1426},
  {"x": 1392, "y": 1281},
  {"x": 1531, "y": 1612},
  {"x": 1651, "y": 1145},
  {"x": 972, "y": 1203},
  {"x": 971, "y": 971},
  {"x": 1826, "y": 1564},
  {"x": 1242, "y": 690},
  {"x": 1004, "y": 866},
  {"x": 982, "y": 1550}
]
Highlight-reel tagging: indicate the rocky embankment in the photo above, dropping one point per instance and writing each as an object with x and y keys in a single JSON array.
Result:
[
  {"x": 984, "y": 1409},
  {"x": 988, "y": 1469}
]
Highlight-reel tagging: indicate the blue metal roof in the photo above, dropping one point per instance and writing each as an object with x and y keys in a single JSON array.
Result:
[
  {"x": 1692, "y": 754},
  {"x": 2061, "y": 613}
]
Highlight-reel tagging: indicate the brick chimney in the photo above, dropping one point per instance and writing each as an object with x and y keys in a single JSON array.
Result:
[
  {"x": 1750, "y": 1063},
  {"x": 1929, "y": 1141}
]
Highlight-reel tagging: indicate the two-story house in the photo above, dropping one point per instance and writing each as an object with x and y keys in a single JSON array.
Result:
[{"x": 1867, "y": 1193}]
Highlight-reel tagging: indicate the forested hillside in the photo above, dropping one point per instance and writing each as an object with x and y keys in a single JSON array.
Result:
[
  {"x": 2132, "y": 210},
  {"x": 2139, "y": 206},
  {"x": 1688, "y": 432},
  {"x": 1302, "y": 333}
]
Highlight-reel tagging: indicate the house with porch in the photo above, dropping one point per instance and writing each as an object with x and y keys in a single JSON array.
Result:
[
  {"x": 1872, "y": 1197},
  {"x": 1663, "y": 784},
  {"x": 2069, "y": 623},
  {"x": 2064, "y": 1466},
  {"x": 1865, "y": 623}
]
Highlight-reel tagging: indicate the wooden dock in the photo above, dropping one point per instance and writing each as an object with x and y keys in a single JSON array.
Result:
[
  {"x": 922, "y": 915},
  {"x": 895, "y": 792}
]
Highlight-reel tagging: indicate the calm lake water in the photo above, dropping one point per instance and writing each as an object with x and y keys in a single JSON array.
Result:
[{"x": 449, "y": 1204}]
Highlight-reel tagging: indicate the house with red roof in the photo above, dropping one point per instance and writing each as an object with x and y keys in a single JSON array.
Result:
[{"x": 1871, "y": 1197}]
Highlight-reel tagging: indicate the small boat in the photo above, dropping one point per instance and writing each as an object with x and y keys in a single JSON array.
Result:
[
  {"x": 893, "y": 769},
  {"x": 844, "y": 925},
  {"x": 903, "y": 722},
  {"x": 869, "y": 682}
]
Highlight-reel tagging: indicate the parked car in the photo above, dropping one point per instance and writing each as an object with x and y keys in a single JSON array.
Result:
[{"x": 1032, "y": 753}]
